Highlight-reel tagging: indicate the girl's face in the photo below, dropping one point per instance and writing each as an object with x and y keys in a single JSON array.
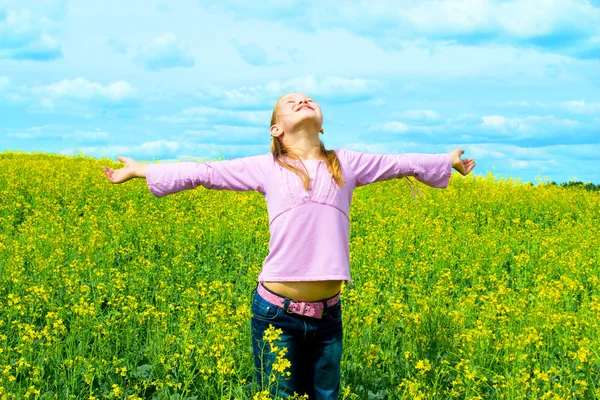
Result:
[{"x": 296, "y": 110}]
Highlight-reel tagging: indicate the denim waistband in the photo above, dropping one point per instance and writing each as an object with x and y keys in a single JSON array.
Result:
[{"x": 312, "y": 309}]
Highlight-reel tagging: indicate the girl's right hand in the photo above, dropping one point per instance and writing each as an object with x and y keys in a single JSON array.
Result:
[
  {"x": 462, "y": 166},
  {"x": 132, "y": 169}
]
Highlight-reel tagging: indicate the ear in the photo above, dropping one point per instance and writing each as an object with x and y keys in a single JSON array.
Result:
[{"x": 276, "y": 131}]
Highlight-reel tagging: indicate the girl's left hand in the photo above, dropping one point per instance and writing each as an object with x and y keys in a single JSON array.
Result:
[
  {"x": 132, "y": 169},
  {"x": 462, "y": 166}
]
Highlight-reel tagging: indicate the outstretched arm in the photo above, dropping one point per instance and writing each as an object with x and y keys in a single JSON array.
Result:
[
  {"x": 241, "y": 174},
  {"x": 431, "y": 169}
]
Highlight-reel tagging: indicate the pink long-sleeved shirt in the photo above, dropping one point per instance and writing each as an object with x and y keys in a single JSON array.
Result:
[{"x": 310, "y": 229}]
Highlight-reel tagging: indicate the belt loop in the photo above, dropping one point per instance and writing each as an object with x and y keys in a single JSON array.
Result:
[
  {"x": 286, "y": 305},
  {"x": 324, "y": 304}
]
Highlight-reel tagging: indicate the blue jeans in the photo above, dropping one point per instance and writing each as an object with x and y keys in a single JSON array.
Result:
[{"x": 314, "y": 349}]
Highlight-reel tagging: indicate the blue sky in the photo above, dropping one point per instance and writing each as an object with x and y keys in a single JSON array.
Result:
[{"x": 514, "y": 83}]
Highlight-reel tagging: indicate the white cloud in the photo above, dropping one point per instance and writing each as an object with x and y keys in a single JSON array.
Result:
[
  {"x": 89, "y": 135},
  {"x": 556, "y": 22},
  {"x": 581, "y": 107},
  {"x": 21, "y": 135},
  {"x": 81, "y": 88},
  {"x": 395, "y": 147},
  {"x": 35, "y": 132},
  {"x": 46, "y": 103},
  {"x": 534, "y": 161},
  {"x": 4, "y": 83},
  {"x": 327, "y": 86},
  {"x": 369, "y": 148},
  {"x": 450, "y": 16},
  {"x": 330, "y": 88},
  {"x": 417, "y": 115},
  {"x": 535, "y": 18},
  {"x": 395, "y": 126},
  {"x": 253, "y": 54},
  {"x": 160, "y": 147},
  {"x": 479, "y": 151},
  {"x": 56, "y": 133},
  {"x": 539, "y": 166},
  {"x": 118, "y": 45},
  {"x": 212, "y": 151},
  {"x": 467, "y": 118},
  {"x": 519, "y": 164},
  {"x": 470, "y": 128},
  {"x": 169, "y": 151},
  {"x": 228, "y": 134},
  {"x": 393, "y": 131},
  {"x": 532, "y": 104},
  {"x": 166, "y": 51},
  {"x": 518, "y": 18},
  {"x": 505, "y": 151},
  {"x": 162, "y": 5},
  {"x": 28, "y": 28},
  {"x": 529, "y": 126},
  {"x": 496, "y": 121},
  {"x": 242, "y": 97},
  {"x": 586, "y": 152},
  {"x": 203, "y": 114},
  {"x": 102, "y": 151}
]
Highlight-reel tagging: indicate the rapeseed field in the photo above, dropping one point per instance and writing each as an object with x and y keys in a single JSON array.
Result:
[{"x": 489, "y": 289}]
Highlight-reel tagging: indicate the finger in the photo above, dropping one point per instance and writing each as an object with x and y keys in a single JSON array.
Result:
[
  {"x": 114, "y": 178},
  {"x": 466, "y": 167}
]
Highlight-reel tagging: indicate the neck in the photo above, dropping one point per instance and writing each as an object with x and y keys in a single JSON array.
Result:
[{"x": 304, "y": 144}]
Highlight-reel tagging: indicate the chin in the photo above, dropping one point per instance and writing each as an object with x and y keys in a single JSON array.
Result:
[{"x": 307, "y": 121}]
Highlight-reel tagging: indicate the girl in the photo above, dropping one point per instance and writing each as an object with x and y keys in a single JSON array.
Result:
[{"x": 308, "y": 190}]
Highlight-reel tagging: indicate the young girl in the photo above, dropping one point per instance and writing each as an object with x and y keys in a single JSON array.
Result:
[{"x": 308, "y": 191}]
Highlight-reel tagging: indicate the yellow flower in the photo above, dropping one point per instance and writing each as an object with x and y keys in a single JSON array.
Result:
[
  {"x": 423, "y": 366},
  {"x": 264, "y": 395}
]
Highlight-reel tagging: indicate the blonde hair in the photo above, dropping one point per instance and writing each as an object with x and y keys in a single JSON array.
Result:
[{"x": 329, "y": 156}]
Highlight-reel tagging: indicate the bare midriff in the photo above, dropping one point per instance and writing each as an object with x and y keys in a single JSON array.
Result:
[{"x": 305, "y": 291}]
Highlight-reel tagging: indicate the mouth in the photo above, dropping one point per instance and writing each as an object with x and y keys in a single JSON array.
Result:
[{"x": 301, "y": 107}]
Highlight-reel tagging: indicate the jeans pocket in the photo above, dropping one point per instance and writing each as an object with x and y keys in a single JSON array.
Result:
[{"x": 263, "y": 310}]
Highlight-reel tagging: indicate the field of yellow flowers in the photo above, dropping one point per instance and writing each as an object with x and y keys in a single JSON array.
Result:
[{"x": 488, "y": 289}]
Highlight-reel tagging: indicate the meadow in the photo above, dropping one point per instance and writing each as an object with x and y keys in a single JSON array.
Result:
[{"x": 489, "y": 289}]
